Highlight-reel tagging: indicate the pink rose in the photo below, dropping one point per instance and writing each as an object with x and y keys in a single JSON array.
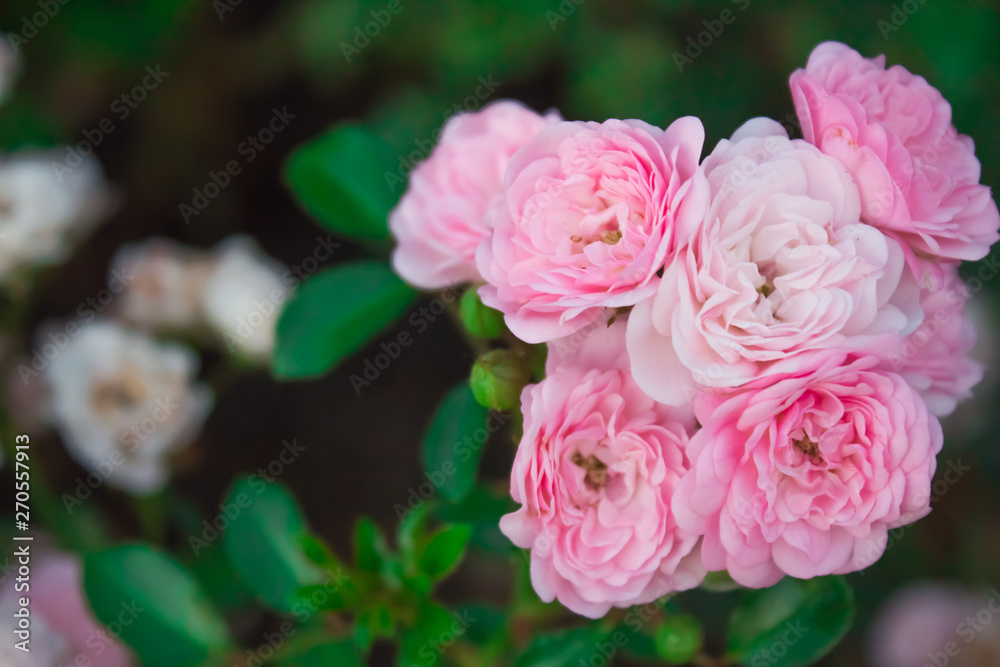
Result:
[
  {"x": 591, "y": 212},
  {"x": 439, "y": 221},
  {"x": 594, "y": 473},
  {"x": 934, "y": 358},
  {"x": 780, "y": 272},
  {"x": 919, "y": 178},
  {"x": 64, "y": 630},
  {"x": 806, "y": 476}
]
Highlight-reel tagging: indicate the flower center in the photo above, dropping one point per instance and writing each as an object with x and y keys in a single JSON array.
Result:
[
  {"x": 609, "y": 236},
  {"x": 597, "y": 471},
  {"x": 118, "y": 394},
  {"x": 810, "y": 448}
]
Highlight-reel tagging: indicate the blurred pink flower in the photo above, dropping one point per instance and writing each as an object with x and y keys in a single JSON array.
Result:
[
  {"x": 927, "y": 623},
  {"x": 591, "y": 212},
  {"x": 594, "y": 473},
  {"x": 63, "y": 627},
  {"x": 780, "y": 272},
  {"x": 805, "y": 476},
  {"x": 919, "y": 178},
  {"x": 439, "y": 222}
]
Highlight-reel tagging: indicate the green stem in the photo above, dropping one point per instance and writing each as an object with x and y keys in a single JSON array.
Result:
[{"x": 151, "y": 513}]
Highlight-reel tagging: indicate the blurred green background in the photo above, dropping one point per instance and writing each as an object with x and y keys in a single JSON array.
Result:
[{"x": 232, "y": 62}]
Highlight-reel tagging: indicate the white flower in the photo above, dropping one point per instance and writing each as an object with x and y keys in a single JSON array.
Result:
[
  {"x": 42, "y": 212},
  {"x": 166, "y": 281},
  {"x": 244, "y": 295},
  {"x": 122, "y": 402}
]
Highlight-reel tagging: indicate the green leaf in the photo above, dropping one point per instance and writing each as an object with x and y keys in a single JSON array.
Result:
[
  {"x": 432, "y": 634},
  {"x": 566, "y": 647},
  {"x": 486, "y": 623},
  {"x": 444, "y": 552},
  {"x": 342, "y": 653},
  {"x": 172, "y": 623},
  {"x": 412, "y": 531},
  {"x": 340, "y": 179},
  {"x": 214, "y": 572},
  {"x": 333, "y": 314},
  {"x": 453, "y": 443},
  {"x": 370, "y": 549},
  {"x": 639, "y": 646},
  {"x": 317, "y": 551},
  {"x": 793, "y": 623},
  {"x": 264, "y": 543},
  {"x": 377, "y": 621},
  {"x": 482, "y": 508}
]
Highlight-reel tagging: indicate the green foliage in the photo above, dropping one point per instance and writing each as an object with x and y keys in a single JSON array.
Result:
[
  {"x": 264, "y": 542},
  {"x": 793, "y": 623},
  {"x": 342, "y": 653},
  {"x": 428, "y": 637},
  {"x": 563, "y": 647},
  {"x": 444, "y": 551},
  {"x": 453, "y": 444},
  {"x": 339, "y": 178},
  {"x": 370, "y": 549},
  {"x": 334, "y": 314},
  {"x": 162, "y": 612},
  {"x": 479, "y": 319}
]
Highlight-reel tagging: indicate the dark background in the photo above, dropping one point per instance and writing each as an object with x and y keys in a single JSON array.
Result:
[{"x": 592, "y": 61}]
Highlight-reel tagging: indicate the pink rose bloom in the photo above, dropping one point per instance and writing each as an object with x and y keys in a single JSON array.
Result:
[
  {"x": 806, "y": 476},
  {"x": 591, "y": 212},
  {"x": 594, "y": 473},
  {"x": 934, "y": 358},
  {"x": 64, "y": 631},
  {"x": 439, "y": 221},
  {"x": 780, "y": 272},
  {"x": 919, "y": 178}
]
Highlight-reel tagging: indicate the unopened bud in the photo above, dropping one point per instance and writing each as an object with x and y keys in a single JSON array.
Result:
[{"x": 498, "y": 378}]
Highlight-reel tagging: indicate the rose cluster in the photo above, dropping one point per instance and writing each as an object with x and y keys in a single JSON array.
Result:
[{"x": 747, "y": 353}]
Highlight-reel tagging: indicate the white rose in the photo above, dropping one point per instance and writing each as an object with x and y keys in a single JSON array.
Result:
[
  {"x": 164, "y": 281},
  {"x": 43, "y": 212},
  {"x": 122, "y": 402},
  {"x": 243, "y": 297}
]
